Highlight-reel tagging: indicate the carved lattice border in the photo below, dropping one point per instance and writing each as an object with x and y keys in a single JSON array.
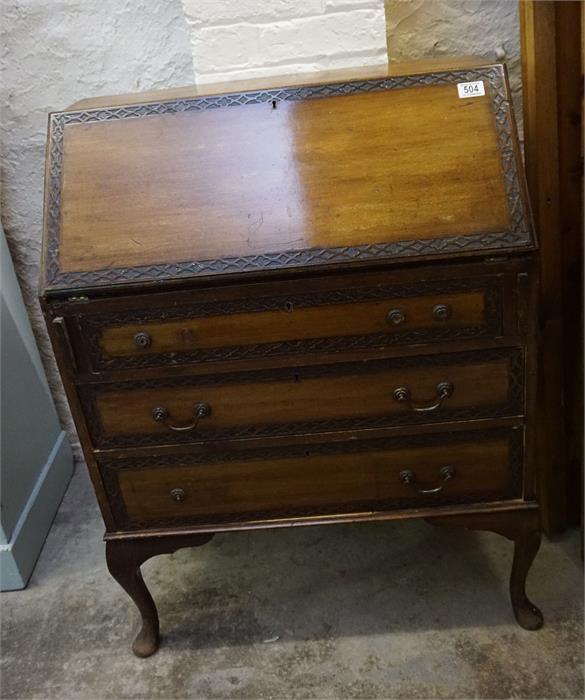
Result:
[
  {"x": 110, "y": 468},
  {"x": 518, "y": 235}
]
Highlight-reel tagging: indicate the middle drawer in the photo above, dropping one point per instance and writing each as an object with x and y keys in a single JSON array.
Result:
[{"x": 376, "y": 393}]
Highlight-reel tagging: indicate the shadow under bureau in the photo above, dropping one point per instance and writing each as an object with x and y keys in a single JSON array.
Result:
[{"x": 296, "y": 305}]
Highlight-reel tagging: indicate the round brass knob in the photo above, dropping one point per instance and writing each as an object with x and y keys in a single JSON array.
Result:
[
  {"x": 177, "y": 495},
  {"x": 160, "y": 413},
  {"x": 396, "y": 317},
  {"x": 142, "y": 340},
  {"x": 407, "y": 476},
  {"x": 447, "y": 473},
  {"x": 445, "y": 390},
  {"x": 441, "y": 312},
  {"x": 401, "y": 394},
  {"x": 201, "y": 410}
]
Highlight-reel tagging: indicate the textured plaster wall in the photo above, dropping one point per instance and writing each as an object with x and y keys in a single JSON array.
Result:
[
  {"x": 54, "y": 52},
  {"x": 432, "y": 28}
]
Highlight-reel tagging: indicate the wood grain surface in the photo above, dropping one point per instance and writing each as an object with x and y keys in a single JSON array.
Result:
[
  {"x": 302, "y": 395},
  {"x": 315, "y": 480},
  {"x": 341, "y": 171},
  {"x": 290, "y": 323}
]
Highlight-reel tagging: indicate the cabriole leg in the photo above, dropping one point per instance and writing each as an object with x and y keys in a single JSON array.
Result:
[
  {"x": 124, "y": 565},
  {"x": 526, "y": 546},
  {"x": 521, "y": 527},
  {"x": 124, "y": 558}
]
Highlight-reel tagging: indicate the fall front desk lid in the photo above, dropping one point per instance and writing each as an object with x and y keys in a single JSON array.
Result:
[{"x": 367, "y": 171}]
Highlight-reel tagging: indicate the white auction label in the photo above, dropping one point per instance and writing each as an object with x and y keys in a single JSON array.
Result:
[{"x": 474, "y": 89}]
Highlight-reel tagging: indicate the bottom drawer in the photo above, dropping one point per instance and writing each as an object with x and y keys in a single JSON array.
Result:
[{"x": 317, "y": 479}]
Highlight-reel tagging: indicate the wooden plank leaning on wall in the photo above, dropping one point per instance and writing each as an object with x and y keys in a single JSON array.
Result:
[{"x": 552, "y": 71}]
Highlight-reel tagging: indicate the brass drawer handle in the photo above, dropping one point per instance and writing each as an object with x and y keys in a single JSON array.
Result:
[
  {"x": 442, "y": 312},
  {"x": 161, "y": 415},
  {"x": 177, "y": 495},
  {"x": 408, "y": 476},
  {"x": 142, "y": 340},
  {"x": 444, "y": 391},
  {"x": 396, "y": 317}
]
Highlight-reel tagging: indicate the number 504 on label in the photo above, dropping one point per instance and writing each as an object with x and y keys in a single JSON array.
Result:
[{"x": 474, "y": 89}]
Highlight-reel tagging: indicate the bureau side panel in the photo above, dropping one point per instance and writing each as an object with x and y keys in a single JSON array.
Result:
[{"x": 58, "y": 334}]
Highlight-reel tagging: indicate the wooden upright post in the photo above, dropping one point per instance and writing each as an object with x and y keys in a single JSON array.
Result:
[{"x": 552, "y": 84}]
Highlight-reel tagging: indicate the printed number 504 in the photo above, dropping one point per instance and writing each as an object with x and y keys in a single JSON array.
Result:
[{"x": 474, "y": 89}]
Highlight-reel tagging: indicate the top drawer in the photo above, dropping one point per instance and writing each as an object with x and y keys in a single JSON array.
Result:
[{"x": 332, "y": 315}]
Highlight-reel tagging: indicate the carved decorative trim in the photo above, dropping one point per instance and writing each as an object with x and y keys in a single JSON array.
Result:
[
  {"x": 110, "y": 469},
  {"x": 522, "y": 294},
  {"x": 512, "y": 406},
  {"x": 93, "y": 325},
  {"x": 518, "y": 235}
]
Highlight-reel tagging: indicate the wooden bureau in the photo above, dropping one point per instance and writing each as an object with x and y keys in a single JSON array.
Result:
[{"x": 296, "y": 305}]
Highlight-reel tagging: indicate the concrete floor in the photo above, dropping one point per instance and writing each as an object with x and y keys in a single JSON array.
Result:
[{"x": 394, "y": 610}]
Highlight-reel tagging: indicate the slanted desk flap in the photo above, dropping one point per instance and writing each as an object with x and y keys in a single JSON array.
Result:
[{"x": 373, "y": 170}]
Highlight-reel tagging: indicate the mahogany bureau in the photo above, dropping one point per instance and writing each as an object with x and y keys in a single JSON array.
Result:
[{"x": 298, "y": 305}]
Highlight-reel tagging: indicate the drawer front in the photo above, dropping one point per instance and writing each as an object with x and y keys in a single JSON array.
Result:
[
  {"x": 311, "y": 399},
  {"x": 341, "y": 477},
  {"x": 342, "y": 318}
]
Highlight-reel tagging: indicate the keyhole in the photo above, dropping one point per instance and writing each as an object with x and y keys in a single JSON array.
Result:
[
  {"x": 296, "y": 378},
  {"x": 273, "y": 104},
  {"x": 288, "y": 306}
]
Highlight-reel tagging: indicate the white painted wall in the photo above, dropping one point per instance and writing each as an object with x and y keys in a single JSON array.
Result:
[{"x": 252, "y": 38}]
